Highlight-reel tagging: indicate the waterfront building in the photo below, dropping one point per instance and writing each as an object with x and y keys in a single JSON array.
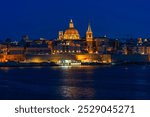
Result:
[
  {"x": 25, "y": 41},
  {"x": 139, "y": 41},
  {"x": 37, "y": 51},
  {"x": 15, "y": 50},
  {"x": 41, "y": 41},
  {"x": 69, "y": 45},
  {"x": 101, "y": 43},
  {"x": 3, "y": 49},
  {"x": 141, "y": 50},
  {"x": 148, "y": 50}
]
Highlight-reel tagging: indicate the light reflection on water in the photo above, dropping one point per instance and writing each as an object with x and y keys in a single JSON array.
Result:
[
  {"x": 82, "y": 82},
  {"x": 69, "y": 92},
  {"x": 5, "y": 69},
  {"x": 74, "y": 87}
]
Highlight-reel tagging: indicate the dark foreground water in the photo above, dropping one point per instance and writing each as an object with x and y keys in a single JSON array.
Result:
[{"x": 87, "y": 82}]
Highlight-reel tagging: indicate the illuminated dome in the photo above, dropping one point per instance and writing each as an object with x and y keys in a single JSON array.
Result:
[{"x": 71, "y": 33}]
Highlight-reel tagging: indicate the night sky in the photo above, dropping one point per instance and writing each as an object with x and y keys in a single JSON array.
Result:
[{"x": 44, "y": 18}]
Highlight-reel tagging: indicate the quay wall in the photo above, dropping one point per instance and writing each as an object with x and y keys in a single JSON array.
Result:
[
  {"x": 104, "y": 58},
  {"x": 56, "y": 57},
  {"x": 13, "y": 57}
]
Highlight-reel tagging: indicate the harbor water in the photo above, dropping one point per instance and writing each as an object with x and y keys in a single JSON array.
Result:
[{"x": 106, "y": 82}]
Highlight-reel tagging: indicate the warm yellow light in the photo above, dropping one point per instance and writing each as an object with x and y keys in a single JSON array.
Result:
[{"x": 36, "y": 60}]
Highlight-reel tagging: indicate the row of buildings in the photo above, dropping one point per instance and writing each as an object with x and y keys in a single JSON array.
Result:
[{"x": 70, "y": 45}]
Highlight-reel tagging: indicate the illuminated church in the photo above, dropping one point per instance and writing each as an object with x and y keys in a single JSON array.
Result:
[
  {"x": 72, "y": 33},
  {"x": 68, "y": 46},
  {"x": 70, "y": 41}
]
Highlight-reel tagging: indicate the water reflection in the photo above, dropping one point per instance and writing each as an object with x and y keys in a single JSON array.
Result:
[
  {"x": 77, "y": 82},
  {"x": 5, "y": 69},
  {"x": 83, "y": 82},
  {"x": 69, "y": 92}
]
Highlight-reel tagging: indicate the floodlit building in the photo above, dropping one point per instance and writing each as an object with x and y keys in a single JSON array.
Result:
[{"x": 71, "y": 45}]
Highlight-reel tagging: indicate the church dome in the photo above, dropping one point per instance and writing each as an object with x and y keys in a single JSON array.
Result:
[{"x": 71, "y": 33}]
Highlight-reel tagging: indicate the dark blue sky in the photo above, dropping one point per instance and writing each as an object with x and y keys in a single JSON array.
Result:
[{"x": 44, "y": 18}]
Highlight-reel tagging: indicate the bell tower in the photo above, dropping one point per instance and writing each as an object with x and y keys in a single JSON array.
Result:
[
  {"x": 89, "y": 34},
  {"x": 89, "y": 40}
]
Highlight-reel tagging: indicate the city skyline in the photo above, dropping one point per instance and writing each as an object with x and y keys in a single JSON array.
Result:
[
  {"x": 75, "y": 50},
  {"x": 45, "y": 18}
]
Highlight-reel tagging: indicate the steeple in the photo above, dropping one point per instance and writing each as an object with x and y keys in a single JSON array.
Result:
[
  {"x": 89, "y": 33},
  {"x": 89, "y": 39},
  {"x": 71, "y": 25},
  {"x": 89, "y": 28}
]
